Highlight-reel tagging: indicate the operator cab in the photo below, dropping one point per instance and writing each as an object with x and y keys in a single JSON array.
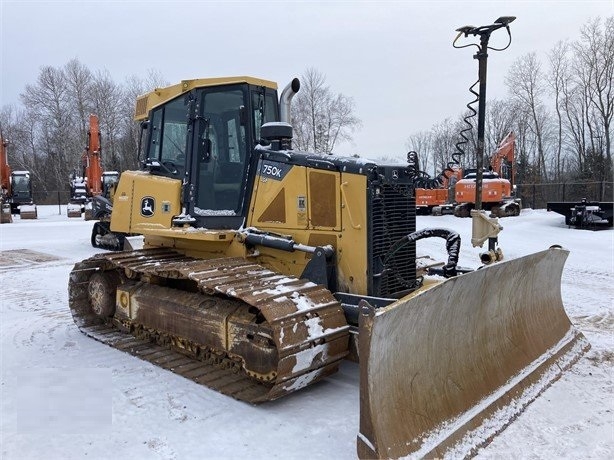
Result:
[
  {"x": 486, "y": 174},
  {"x": 205, "y": 138},
  {"x": 109, "y": 181},
  {"x": 22, "y": 187}
]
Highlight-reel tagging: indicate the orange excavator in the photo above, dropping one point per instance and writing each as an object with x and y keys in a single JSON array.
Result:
[
  {"x": 498, "y": 184},
  {"x": 93, "y": 181},
  {"x": 434, "y": 201},
  {"x": 5, "y": 174},
  {"x": 16, "y": 189}
]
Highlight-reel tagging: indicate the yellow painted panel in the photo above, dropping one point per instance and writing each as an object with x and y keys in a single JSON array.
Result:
[
  {"x": 352, "y": 249},
  {"x": 147, "y": 102},
  {"x": 143, "y": 201},
  {"x": 267, "y": 192},
  {"x": 323, "y": 203}
]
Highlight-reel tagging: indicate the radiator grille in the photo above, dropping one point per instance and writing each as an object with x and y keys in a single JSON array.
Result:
[{"x": 393, "y": 216}]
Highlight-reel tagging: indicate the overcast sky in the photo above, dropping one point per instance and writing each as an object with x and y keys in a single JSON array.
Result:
[{"x": 395, "y": 59}]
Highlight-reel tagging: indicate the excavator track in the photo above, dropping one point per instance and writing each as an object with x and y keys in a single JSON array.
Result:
[{"x": 229, "y": 324}]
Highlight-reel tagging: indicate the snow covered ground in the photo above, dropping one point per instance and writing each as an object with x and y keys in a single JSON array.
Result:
[{"x": 66, "y": 396}]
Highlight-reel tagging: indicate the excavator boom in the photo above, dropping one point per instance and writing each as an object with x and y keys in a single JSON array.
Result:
[
  {"x": 5, "y": 184},
  {"x": 505, "y": 151},
  {"x": 91, "y": 158},
  {"x": 5, "y": 169},
  {"x": 84, "y": 187}
]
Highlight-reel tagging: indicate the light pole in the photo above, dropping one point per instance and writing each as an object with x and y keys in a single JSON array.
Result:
[{"x": 482, "y": 56}]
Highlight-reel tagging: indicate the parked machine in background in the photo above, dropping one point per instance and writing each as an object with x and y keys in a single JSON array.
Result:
[
  {"x": 101, "y": 209},
  {"x": 109, "y": 182},
  {"x": 78, "y": 195},
  {"x": 6, "y": 216},
  {"x": 498, "y": 184},
  {"x": 16, "y": 193},
  {"x": 592, "y": 215},
  {"x": 438, "y": 201},
  {"x": 92, "y": 181}
]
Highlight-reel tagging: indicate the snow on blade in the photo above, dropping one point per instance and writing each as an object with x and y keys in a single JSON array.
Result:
[{"x": 492, "y": 425}]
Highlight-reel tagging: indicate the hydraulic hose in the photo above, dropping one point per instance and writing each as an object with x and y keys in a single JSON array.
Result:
[{"x": 453, "y": 241}]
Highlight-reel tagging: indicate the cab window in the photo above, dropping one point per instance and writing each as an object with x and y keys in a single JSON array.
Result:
[
  {"x": 168, "y": 137},
  {"x": 265, "y": 110},
  {"x": 221, "y": 173}
]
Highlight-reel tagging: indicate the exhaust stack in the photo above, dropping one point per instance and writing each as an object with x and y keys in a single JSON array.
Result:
[{"x": 286, "y": 97}]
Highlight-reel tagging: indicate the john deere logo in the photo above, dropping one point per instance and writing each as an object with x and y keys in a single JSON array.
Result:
[{"x": 148, "y": 206}]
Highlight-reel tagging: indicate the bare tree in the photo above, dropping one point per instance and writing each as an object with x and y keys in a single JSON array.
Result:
[
  {"x": 444, "y": 137},
  {"x": 79, "y": 80},
  {"x": 575, "y": 110},
  {"x": 19, "y": 128},
  {"x": 575, "y": 142},
  {"x": 49, "y": 103},
  {"x": 558, "y": 79},
  {"x": 134, "y": 86},
  {"x": 321, "y": 119},
  {"x": 49, "y": 132},
  {"x": 500, "y": 119},
  {"x": 421, "y": 143},
  {"x": 525, "y": 83},
  {"x": 595, "y": 55},
  {"x": 107, "y": 96},
  {"x": 525, "y": 144}
]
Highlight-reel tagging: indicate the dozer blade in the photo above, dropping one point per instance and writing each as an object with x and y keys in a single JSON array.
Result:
[{"x": 445, "y": 370}]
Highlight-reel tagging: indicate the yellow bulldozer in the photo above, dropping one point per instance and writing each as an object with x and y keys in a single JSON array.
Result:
[{"x": 263, "y": 267}]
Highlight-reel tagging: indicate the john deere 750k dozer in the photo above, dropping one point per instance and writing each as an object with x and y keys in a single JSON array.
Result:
[{"x": 263, "y": 267}]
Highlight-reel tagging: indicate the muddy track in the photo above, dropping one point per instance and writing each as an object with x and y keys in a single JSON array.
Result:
[{"x": 302, "y": 321}]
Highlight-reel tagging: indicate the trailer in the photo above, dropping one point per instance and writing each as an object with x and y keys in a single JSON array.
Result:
[{"x": 585, "y": 214}]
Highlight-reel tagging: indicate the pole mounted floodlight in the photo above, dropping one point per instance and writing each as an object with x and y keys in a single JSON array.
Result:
[
  {"x": 483, "y": 227},
  {"x": 505, "y": 20},
  {"x": 482, "y": 56}
]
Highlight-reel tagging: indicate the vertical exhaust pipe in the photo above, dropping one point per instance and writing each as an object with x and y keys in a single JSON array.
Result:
[{"x": 286, "y": 97}]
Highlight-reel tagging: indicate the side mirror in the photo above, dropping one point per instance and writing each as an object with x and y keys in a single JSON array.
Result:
[{"x": 151, "y": 165}]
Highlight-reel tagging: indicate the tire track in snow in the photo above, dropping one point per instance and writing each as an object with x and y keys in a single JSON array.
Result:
[
  {"x": 589, "y": 308},
  {"x": 28, "y": 300},
  {"x": 160, "y": 446},
  {"x": 46, "y": 334}
]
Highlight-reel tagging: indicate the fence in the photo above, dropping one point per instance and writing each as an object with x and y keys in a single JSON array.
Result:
[
  {"x": 52, "y": 197},
  {"x": 536, "y": 196}
]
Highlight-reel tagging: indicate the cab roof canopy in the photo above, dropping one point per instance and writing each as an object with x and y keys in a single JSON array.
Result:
[{"x": 148, "y": 101}]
